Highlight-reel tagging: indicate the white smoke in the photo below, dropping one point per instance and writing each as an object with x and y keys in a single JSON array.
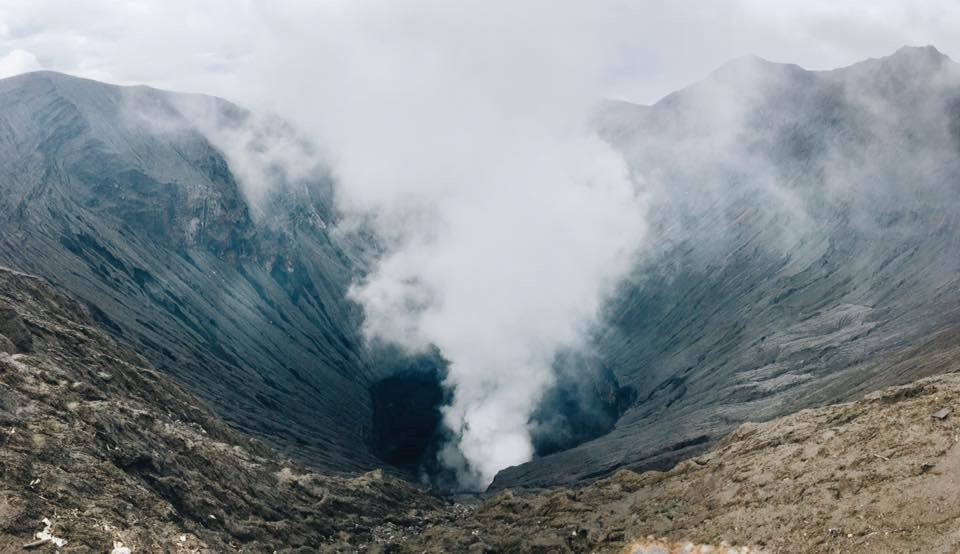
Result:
[
  {"x": 510, "y": 266},
  {"x": 264, "y": 152},
  {"x": 460, "y": 132}
]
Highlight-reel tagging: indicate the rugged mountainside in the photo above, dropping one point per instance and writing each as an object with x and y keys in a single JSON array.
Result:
[
  {"x": 118, "y": 195},
  {"x": 802, "y": 249},
  {"x": 805, "y": 242},
  {"x": 100, "y": 450}
]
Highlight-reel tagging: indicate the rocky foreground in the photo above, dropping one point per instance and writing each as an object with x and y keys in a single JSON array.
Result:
[
  {"x": 114, "y": 454},
  {"x": 878, "y": 475},
  {"x": 100, "y": 453}
]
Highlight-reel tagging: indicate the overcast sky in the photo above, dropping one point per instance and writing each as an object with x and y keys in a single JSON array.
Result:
[{"x": 660, "y": 45}]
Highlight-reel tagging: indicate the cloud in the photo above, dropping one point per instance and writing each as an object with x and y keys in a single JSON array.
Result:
[
  {"x": 660, "y": 46},
  {"x": 266, "y": 154},
  {"x": 18, "y": 61}
]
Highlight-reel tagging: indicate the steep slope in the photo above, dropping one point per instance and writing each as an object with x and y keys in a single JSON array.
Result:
[
  {"x": 120, "y": 196},
  {"x": 109, "y": 450},
  {"x": 803, "y": 243}
]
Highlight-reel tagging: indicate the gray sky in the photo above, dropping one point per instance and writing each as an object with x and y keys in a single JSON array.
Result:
[{"x": 660, "y": 46}]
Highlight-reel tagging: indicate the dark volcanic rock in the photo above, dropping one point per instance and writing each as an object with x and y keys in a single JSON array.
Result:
[{"x": 16, "y": 336}]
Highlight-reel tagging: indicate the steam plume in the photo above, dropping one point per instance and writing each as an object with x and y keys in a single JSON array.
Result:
[{"x": 503, "y": 219}]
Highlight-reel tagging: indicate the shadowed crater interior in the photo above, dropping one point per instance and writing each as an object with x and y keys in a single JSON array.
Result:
[
  {"x": 585, "y": 403},
  {"x": 407, "y": 429},
  {"x": 407, "y": 418}
]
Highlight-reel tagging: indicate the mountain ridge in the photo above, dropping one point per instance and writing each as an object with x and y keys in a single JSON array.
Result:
[
  {"x": 151, "y": 230},
  {"x": 801, "y": 230}
]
